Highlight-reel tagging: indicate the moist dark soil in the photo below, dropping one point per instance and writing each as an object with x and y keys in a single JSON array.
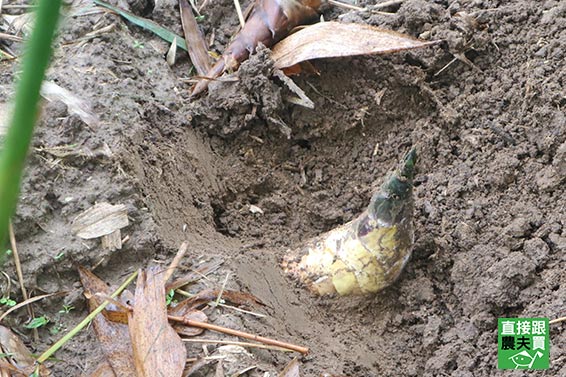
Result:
[{"x": 485, "y": 110}]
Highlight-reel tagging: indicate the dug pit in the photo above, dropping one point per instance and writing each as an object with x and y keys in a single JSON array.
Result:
[{"x": 252, "y": 193}]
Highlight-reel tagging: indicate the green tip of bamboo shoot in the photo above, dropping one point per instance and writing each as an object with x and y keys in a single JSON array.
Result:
[
  {"x": 368, "y": 253},
  {"x": 393, "y": 202}
]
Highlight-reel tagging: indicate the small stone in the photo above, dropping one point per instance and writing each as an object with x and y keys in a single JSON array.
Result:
[
  {"x": 548, "y": 179},
  {"x": 558, "y": 241},
  {"x": 431, "y": 331},
  {"x": 559, "y": 160},
  {"x": 57, "y": 109},
  {"x": 255, "y": 209},
  {"x": 536, "y": 250},
  {"x": 518, "y": 228}
]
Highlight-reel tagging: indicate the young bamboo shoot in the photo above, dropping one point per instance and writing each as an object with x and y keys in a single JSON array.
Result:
[
  {"x": 368, "y": 253},
  {"x": 269, "y": 22}
]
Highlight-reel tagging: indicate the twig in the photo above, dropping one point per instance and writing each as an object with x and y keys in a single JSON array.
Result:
[
  {"x": 386, "y": 4},
  {"x": 557, "y": 320},
  {"x": 445, "y": 67},
  {"x": 20, "y": 6},
  {"x": 187, "y": 294},
  {"x": 326, "y": 97},
  {"x": 6, "y": 55},
  {"x": 8, "y": 280},
  {"x": 27, "y": 302},
  {"x": 240, "y": 15},
  {"x": 241, "y": 334},
  {"x": 47, "y": 354},
  {"x": 195, "y": 275},
  {"x": 259, "y": 315},
  {"x": 10, "y": 37},
  {"x": 194, "y": 6},
  {"x": 346, "y": 5},
  {"x": 303, "y": 99},
  {"x": 222, "y": 289},
  {"x": 176, "y": 261},
  {"x": 21, "y": 275},
  {"x": 204, "y": 3},
  {"x": 374, "y": 9},
  {"x": 233, "y": 343}
]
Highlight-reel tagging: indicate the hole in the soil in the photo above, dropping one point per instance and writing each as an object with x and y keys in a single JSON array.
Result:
[
  {"x": 53, "y": 201},
  {"x": 264, "y": 187},
  {"x": 411, "y": 60},
  {"x": 471, "y": 55},
  {"x": 218, "y": 211},
  {"x": 452, "y": 365},
  {"x": 142, "y": 7},
  {"x": 303, "y": 143}
]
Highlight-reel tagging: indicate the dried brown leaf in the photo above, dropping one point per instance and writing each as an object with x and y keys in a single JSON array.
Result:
[
  {"x": 204, "y": 297},
  {"x": 100, "y": 220},
  {"x": 75, "y": 105},
  {"x": 20, "y": 24},
  {"x": 171, "y": 56},
  {"x": 195, "y": 315},
  {"x": 103, "y": 369},
  {"x": 292, "y": 369},
  {"x": 113, "y": 337},
  {"x": 302, "y": 98},
  {"x": 199, "y": 272},
  {"x": 336, "y": 39},
  {"x": 241, "y": 298},
  {"x": 19, "y": 359},
  {"x": 196, "y": 45},
  {"x": 158, "y": 350}
]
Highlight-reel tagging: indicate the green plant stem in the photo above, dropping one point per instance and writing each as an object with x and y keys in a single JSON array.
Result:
[
  {"x": 18, "y": 137},
  {"x": 55, "y": 347}
]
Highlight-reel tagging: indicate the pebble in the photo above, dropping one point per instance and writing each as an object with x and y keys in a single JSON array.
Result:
[{"x": 537, "y": 250}]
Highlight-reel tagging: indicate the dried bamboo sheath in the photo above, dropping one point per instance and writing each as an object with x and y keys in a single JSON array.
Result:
[{"x": 270, "y": 21}]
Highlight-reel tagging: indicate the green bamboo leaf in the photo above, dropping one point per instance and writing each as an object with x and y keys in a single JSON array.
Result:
[
  {"x": 18, "y": 137},
  {"x": 146, "y": 24},
  {"x": 37, "y": 322}
]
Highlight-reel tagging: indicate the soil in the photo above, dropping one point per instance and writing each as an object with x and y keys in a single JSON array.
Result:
[{"x": 485, "y": 111}]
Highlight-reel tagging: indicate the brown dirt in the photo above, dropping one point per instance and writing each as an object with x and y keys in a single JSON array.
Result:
[{"x": 490, "y": 130}]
